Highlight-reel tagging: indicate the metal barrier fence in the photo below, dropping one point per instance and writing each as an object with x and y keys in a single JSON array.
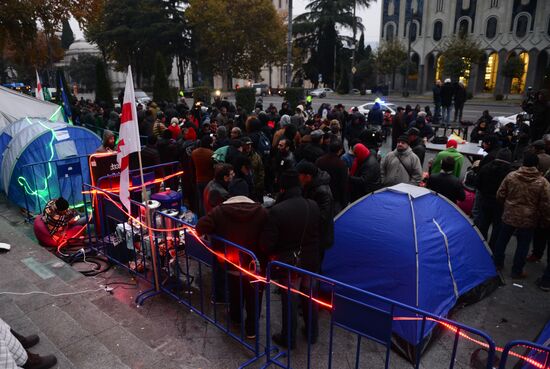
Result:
[
  {"x": 47, "y": 180},
  {"x": 125, "y": 243},
  {"x": 230, "y": 298},
  {"x": 379, "y": 317},
  {"x": 533, "y": 355}
]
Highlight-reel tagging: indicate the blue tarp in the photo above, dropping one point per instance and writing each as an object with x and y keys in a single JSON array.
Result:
[{"x": 375, "y": 249}]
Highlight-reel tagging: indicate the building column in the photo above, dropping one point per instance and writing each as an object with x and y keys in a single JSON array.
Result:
[
  {"x": 472, "y": 82},
  {"x": 421, "y": 82},
  {"x": 531, "y": 68},
  {"x": 502, "y": 82}
]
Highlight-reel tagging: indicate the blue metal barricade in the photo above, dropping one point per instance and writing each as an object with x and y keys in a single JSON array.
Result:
[
  {"x": 47, "y": 180},
  {"x": 124, "y": 242},
  {"x": 360, "y": 313},
  {"x": 229, "y": 298},
  {"x": 532, "y": 355}
]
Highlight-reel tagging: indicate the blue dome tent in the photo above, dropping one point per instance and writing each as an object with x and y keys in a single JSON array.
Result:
[
  {"x": 411, "y": 245},
  {"x": 36, "y": 142}
]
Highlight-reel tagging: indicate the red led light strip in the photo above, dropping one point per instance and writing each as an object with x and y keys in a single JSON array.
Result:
[
  {"x": 259, "y": 278},
  {"x": 132, "y": 188}
]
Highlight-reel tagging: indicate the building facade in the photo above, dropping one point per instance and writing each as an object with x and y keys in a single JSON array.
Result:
[{"x": 503, "y": 28}]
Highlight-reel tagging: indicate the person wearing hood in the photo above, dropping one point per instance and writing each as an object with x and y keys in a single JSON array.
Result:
[
  {"x": 298, "y": 119},
  {"x": 525, "y": 195},
  {"x": 375, "y": 116},
  {"x": 401, "y": 165},
  {"x": 108, "y": 144},
  {"x": 221, "y": 138},
  {"x": 452, "y": 151},
  {"x": 488, "y": 181},
  {"x": 316, "y": 186},
  {"x": 364, "y": 176},
  {"x": 284, "y": 123},
  {"x": 174, "y": 128},
  {"x": 239, "y": 220}
]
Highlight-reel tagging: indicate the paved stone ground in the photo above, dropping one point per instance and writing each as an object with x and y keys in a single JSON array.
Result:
[{"x": 101, "y": 330}]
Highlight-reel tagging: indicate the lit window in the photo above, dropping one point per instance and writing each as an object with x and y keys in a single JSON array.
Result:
[{"x": 491, "y": 69}]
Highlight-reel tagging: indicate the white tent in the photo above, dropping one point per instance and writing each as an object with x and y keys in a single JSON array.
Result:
[{"x": 15, "y": 106}]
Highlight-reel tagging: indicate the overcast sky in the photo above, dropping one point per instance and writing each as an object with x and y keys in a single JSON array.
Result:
[{"x": 370, "y": 17}]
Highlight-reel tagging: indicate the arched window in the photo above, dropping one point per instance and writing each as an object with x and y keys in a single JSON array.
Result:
[
  {"x": 463, "y": 27},
  {"x": 413, "y": 31},
  {"x": 390, "y": 32},
  {"x": 521, "y": 25},
  {"x": 438, "y": 30},
  {"x": 548, "y": 29},
  {"x": 490, "y": 77},
  {"x": 491, "y": 30}
]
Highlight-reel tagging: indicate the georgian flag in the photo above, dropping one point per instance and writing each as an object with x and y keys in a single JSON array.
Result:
[
  {"x": 39, "y": 93},
  {"x": 128, "y": 138}
]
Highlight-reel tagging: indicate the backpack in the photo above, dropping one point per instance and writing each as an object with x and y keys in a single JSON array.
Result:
[{"x": 264, "y": 145}]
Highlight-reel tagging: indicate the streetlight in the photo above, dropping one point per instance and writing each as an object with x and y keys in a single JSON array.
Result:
[
  {"x": 353, "y": 47},
  {"x": 289, "y": 47}
]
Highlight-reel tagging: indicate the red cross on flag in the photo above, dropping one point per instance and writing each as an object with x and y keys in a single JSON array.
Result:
[
  {"x": 128, "y": 138},
  {"x": 39, "y": 93}
]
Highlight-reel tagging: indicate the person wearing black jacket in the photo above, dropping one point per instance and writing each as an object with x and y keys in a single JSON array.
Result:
[
  {"x": 459, "y": 100},
  {"x": 336, "y": 168},
  {"x": 292, "y": 229},
  {"x": 417, "y": 144},
  {"x": 239, "y": 220},
  {"x": 316, "y": 186},
  {"x": 488, "y": 181},
  {"x": 364, "y": 176},
  {"x": 446, "y": 183},
  {"x": 398, "y": 126}
]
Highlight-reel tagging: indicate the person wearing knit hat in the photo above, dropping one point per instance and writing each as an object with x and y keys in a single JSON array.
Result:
[
  {"x": 451, "y": 150},
  {"x": 401, "y": 165}
]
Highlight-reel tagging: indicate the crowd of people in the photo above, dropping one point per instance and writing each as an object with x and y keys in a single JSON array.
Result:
[{"x": 314, "y": 164}]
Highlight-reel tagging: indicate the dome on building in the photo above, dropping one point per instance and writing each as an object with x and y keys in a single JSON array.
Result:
[{"x": 82, "y": 46}]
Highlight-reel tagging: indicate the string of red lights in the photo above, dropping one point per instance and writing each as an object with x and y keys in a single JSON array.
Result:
[{"x": 258, "y": 278}]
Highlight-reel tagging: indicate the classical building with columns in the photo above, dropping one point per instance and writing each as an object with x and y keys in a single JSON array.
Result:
[{"x": 503, "y": 28}]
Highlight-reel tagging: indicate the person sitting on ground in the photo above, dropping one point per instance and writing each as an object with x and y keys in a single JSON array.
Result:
[
  {"x": 526, "y": 198},
  {"x": 61, "y": 222},
  {"x": 401, "y": 165},
  {"x": 14, "y": 353},
  {"x": 452, "y": 151},
  {"x": 445, "y": 183}
]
